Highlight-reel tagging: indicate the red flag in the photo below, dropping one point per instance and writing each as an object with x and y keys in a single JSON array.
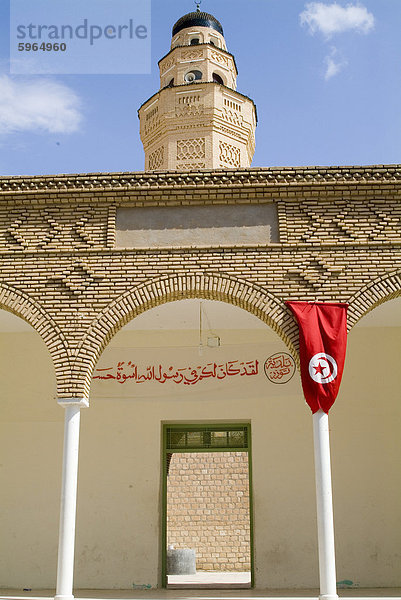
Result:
[{"x": 322, "y": 343}]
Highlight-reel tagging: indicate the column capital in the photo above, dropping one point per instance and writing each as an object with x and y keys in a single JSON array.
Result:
[{"x": 78, "y": 402}]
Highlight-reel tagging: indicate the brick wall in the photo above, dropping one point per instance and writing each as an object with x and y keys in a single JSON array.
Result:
[
  {"x": 208, "y": 508},
  {"x": 60, "y": 269}
]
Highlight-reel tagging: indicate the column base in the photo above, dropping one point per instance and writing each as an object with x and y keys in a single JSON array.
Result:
[
  {"x": 328, "y": 597},
  {"x": 63, "y": 597}
]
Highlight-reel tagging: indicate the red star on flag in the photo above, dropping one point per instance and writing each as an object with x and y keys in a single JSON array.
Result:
[{"x": 319, "y": 369}]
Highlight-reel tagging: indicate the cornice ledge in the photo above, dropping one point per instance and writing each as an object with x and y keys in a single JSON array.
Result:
[{"x": 280, "y": 176}]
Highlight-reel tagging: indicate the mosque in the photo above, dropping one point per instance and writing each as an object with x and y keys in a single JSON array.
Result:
[{"x": 145, "y": 339}]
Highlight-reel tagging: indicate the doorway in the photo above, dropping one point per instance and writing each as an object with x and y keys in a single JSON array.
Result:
[{"x": 207, "y": 508}]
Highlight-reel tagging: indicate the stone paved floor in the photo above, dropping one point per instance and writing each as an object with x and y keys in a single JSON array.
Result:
[
  {"x": 204, "y": 594},
  {"x": 212, "y": 578}
]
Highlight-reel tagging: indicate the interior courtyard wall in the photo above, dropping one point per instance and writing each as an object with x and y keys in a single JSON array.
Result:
[
  {"x": 118, "y": 528},
  {"x": 208, "y": 508},
  {"x": 104, "y": 441},
  {"x": 283, "y": 479}
]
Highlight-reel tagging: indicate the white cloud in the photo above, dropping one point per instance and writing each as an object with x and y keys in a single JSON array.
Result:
[
  {"x": 37, "y": 105},
  {"x": 334, "y": 64},
  {"x": 330, "y": 19}
]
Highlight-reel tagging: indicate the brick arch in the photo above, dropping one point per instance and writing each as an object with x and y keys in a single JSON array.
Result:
[
  {"x": 32, "y": 312},
  {"x": 211, "y": 286},
  {"x": 372, "y": 295}
]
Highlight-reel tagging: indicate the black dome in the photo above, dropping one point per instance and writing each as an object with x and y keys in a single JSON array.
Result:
[{"x": 198, "y": 18}]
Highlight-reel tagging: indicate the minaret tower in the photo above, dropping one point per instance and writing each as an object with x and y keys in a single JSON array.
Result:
[{"x": 197, "y": 120}]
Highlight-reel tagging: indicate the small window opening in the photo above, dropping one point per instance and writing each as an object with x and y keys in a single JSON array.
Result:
[
  {"x": 217, "y": 79},
  {"x": 194, "y": 41},
  {"x": 193, "y": 76}
]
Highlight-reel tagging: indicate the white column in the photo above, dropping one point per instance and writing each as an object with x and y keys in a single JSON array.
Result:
[
  {"x": 325, "y": 522},
  {"x": 66, "y": 544}
]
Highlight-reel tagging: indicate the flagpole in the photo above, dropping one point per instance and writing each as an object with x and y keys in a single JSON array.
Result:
[{"x": 324, "y": 503}]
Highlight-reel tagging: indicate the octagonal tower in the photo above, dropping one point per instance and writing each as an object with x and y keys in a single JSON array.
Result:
[{"x": 197, "y": 120}]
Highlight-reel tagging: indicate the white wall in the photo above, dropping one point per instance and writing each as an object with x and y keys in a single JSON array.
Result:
[
  {"x": 119, "y": 492},
  {"x": 366, "y": 459},
  {"x": 31, "y": 439}
]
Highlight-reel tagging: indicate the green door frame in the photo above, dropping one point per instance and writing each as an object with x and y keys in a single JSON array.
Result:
[{"x": 221, "y": 427}]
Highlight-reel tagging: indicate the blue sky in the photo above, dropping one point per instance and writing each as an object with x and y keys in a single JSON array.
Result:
[{"x": 325, "y": 77}]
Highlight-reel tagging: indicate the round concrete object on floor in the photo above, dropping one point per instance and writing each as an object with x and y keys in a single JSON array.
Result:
[{"x": 181, "y": 561}]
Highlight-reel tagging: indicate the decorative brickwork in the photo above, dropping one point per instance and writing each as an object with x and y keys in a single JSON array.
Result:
[
  {"x": 208, "y": 508},
  {"x": 156, "y": 158},
  {"x": 192, "y": 166},
  {"x": 339, "y": 238},
  {"x": 191, "y": 54},
  {"x": 191, "y": 149},
  {"x": 152, "y": 126},
  {"x": 221, "y": 58},
  {"x": 374, "y": 220},
  {"x": 165, "y": 65},
  {"x": 229, "y": 155},
  {"x": 189, "y": 110},
  {"x": 26, "y": 228},
  {"x": 231, "y": 104},
  {"x": 372, "y": 181},
  {"x": 189, "y": 99},
  {"x": 231, "y": 116}
]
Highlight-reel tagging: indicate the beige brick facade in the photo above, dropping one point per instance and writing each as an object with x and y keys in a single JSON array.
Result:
[{"x": 339, "y": 239}]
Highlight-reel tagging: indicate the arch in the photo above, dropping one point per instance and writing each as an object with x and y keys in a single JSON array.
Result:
[
  {"x": 30, "y": 311},
  {"x": 212, "y": 286},
  {"x": 218, "y": 78},
  {"x": 214, "y": 41},
  {"x": 195, "y": 38},
  {"x": 371, "y": 295},
  {"x": 194, "y": 75},
  {"x": 34, "y": 314}
]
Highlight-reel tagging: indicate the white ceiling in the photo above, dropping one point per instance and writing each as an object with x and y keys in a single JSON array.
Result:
[
  {"x": 184, "y": 314},
  {"x": 385, "y": 315}
]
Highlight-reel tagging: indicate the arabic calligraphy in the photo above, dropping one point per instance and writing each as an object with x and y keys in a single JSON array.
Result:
[
  {"x": 129, "y": 371},
  {"x": 280, "y": 367}
]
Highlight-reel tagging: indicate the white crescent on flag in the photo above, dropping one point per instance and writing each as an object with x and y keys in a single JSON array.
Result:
[{"x": 323, "y": 368}]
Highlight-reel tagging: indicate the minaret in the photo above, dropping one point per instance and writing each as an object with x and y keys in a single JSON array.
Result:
[{"x": 197, "y": 120}]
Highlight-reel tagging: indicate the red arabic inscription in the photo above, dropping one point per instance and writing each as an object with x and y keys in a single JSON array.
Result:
[{"x": 129, "y": 371}]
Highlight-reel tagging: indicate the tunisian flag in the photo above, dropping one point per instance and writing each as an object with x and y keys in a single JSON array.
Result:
[{"x": 322, "y": 343}]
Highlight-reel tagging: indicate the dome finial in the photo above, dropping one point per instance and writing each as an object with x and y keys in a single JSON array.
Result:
[{"x": 198, "y": 3}]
